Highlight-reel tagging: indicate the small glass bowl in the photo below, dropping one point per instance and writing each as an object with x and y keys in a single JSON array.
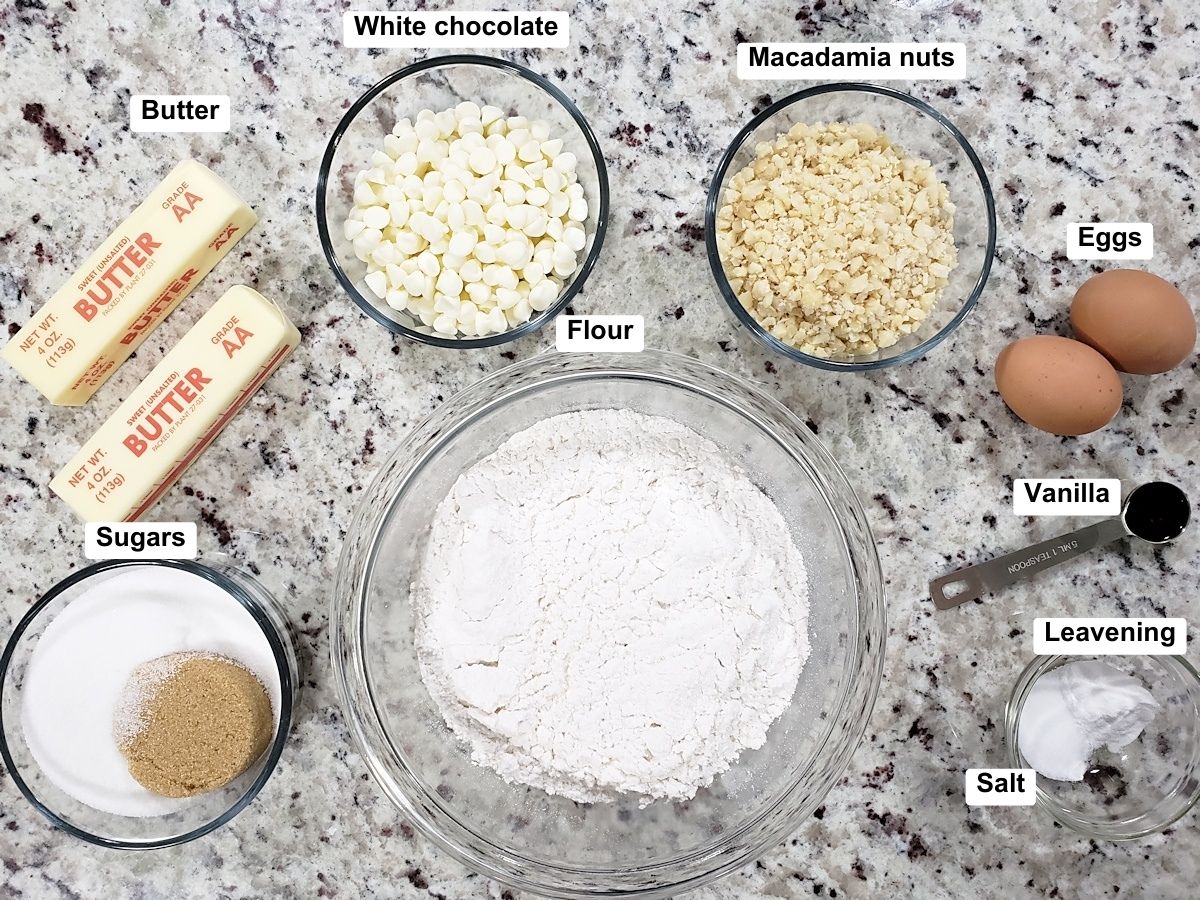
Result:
[
  {"x": 441, "y": 83},
  {"x": 921, "y": 131},
  {"x": 1142, "y": 788},
  {"x": 206, "y": 812},
  {"x": 546, "y": 844}
]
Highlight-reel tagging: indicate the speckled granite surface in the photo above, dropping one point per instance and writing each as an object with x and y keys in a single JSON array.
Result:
[{"x": 1089, "y": 111}]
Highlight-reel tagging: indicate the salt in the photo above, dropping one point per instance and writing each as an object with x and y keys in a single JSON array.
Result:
[{"x": 78, "y": 670}]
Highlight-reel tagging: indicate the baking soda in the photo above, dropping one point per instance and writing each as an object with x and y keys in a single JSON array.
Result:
[{"x": 608, "y": 605}]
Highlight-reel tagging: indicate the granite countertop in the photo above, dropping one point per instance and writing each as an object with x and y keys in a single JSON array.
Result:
[{"x": 1089, "y": 111}]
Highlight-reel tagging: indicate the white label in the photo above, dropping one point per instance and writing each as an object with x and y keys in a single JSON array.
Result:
[
  {"x": 1110, "y": 240},
  {"x": 139, "y": 540},
  {"x": 412, "y": 30},
  {"x": 1067, "y": 496},
  {"x": 600, "y": 334},
  {"x": 1001, "y": 787},
  {"x": 178, "y": 112},
  {"x": 878, "y": 62},
  {"x": 1109, "y": 637}
]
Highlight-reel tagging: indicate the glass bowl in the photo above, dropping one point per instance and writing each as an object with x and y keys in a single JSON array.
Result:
[
  {"x": 921, "y": 131},
  {"x": 546, "y": 844},
  {"x": 437, "y": 84},
  {"x": 205, "y": 812},
  {"x": 1142, "y": 788}
]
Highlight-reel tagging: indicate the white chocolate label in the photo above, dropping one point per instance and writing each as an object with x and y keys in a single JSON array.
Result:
[
  {"x": 600, "y": 334},
  {"x": 178, "y": 409},
  {"x": 139, "y": 540},
  {"x": 411, "y": 30},
  {"x": 1110, "y": 240},
  {"x": 877, "y": 62},
  {"x": 1109, "y": 637},
  {"x": 1067, "y": 496},
  {"x": 178, "y": 112},
  {"x": 1001, "y": 787}
]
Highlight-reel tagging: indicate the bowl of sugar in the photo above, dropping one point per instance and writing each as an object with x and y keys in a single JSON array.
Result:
[{"x": 144, "y": 704}]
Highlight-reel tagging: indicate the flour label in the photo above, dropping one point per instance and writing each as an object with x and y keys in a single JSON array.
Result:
[{"x": 600, "y": 334}]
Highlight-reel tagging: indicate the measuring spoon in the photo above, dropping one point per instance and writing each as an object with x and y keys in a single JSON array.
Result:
[{"x": 1156, "y": 512}]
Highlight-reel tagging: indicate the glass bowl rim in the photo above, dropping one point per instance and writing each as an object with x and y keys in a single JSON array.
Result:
[
  {"x": 273, "y": 754},
  {"x": 1039, "y": 666},
  {"x": 718, "y": 270},
  {"x": 459, "y": 837},
  {"x": 323, "y": 185}
]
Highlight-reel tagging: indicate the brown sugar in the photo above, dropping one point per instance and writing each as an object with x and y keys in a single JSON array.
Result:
[{"x": 192, "y": 722}]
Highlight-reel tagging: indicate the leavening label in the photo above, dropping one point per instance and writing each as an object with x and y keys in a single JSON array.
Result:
[
  {"x": 139, "y": 540},
  {"x": 600, "y": 334},
  {"x": 411, "y": 30},
  {"x": 1067, "y": 496},
  {"x": 178, "y": 112},
  {"x": 878, "y": 62},
  {"x": 1110, "y": 240},
  {"x": 1001, "y": 787},
  {"x": 1109, "y": 637}
]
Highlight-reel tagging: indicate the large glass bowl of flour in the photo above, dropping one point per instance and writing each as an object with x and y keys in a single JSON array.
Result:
[{"x": 621, "y": 846}]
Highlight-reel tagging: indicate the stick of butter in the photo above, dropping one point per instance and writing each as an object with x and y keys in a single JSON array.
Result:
[
  {"x": 120, "y": 294},
  {"x": 178, "y": 409}
]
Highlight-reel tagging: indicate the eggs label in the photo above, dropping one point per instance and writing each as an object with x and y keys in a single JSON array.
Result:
[
  {"x": 139, "y": 540},
  {"x": 1067, "y": 497},
  {"x": 1001, "y": 787},
  {"x": 1110, "y": 240},
  {"x": 600, "y": 334},
  {"x": 1109, "y": 637}
]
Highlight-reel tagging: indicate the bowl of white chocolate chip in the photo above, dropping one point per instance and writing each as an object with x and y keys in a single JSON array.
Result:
[
  {"x": 850, "y": 227},
  {"x": 462, "y": 201}
]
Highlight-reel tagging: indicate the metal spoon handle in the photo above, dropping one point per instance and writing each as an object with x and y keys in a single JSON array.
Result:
[{"x": 973, "y": 582}]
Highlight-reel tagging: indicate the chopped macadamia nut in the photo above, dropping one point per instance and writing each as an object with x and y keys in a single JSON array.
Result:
[{"x": 835, "y": 241}]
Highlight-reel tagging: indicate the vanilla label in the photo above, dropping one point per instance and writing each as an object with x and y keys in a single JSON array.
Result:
[{"x": 1067, "y": 497}]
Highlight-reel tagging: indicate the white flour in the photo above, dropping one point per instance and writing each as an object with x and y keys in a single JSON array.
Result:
[{"x": 609, "y": 605}]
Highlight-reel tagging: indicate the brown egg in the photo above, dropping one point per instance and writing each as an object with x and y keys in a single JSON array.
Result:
[
  {"x": 1058, "y": 385},
  {"x": 1140, "y": 322}
]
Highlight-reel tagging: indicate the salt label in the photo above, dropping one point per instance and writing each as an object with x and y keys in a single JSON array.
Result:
[
  {"x": 1001, "y": 787},
  {"x": 140, "y": 540},
  {"x": 1109, "y": 637}
]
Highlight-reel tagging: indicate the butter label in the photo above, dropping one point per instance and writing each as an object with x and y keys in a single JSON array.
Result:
[
  {"x": 178, "y": 112},
  {"x": 178, "y": 409},
  {"x": 141, "y": 272}
]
